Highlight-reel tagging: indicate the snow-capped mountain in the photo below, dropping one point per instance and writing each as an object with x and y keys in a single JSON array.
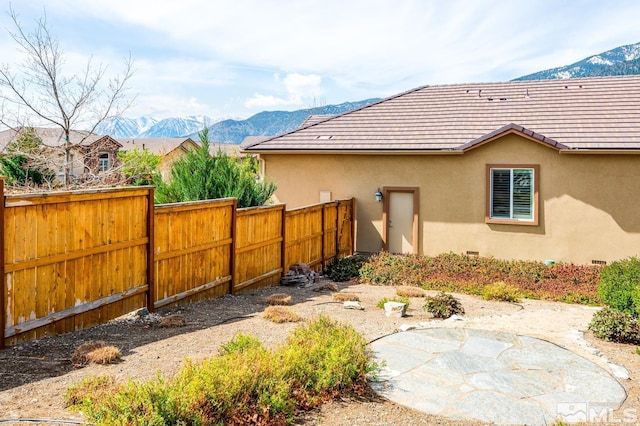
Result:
[
  {"x": 266, "y": 123},
  {"x": 623, "y": 60},
  {"x": 123, "y": 127},
  {"x": 176, "y": 127},
  {"x": 149, "y": 127}
]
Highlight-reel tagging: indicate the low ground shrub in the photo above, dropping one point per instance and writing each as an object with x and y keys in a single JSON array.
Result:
[
  {"x": 246, "y": 384},
  {"x": 408, "y": 291},
  {"x": 346, "y": 297},
  {"x": 280, "y": 314},
  {"x": 443, "y": 305},
  {"x": 470, "y": 274},
  {"x": 399, "y": 299},
  {"x": 344, "y": 269},
  {"x": 279, "y": 299},
  {"x": 502, "y": 292},
  {"x": 619, "y": 285},
  {"x": 96, "y": 352},
  {"x": 615, "y": 326}
]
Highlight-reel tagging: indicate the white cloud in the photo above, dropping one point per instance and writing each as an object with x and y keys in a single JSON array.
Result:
[
  {"x": 299, "y": 89},
  {"x": 169, "y": 105},
  {"x": 227, "y": 51}
]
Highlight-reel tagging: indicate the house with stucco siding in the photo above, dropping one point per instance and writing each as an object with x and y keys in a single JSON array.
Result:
[{"x": 539, "y": 170}]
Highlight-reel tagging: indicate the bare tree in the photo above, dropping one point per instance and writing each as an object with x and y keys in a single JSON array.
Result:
[{"x": 38, "y": 92}]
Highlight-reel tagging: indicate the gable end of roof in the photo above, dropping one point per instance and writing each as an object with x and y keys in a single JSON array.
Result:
[{"x": 512, "y": 128}]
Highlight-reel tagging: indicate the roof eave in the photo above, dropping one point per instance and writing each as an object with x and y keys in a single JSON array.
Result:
[
  {"x": 356, "y": 151},
  {"x": 605, "y": 151}
]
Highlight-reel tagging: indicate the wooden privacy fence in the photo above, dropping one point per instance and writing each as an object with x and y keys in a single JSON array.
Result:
[{"x": 77, "y": 259}]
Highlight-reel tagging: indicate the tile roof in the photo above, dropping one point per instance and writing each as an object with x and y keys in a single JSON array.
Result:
[
  {"x": 161, "y": 146},
  {"x": 53, "y": 137},
  {"x": 587, "y": 113}
]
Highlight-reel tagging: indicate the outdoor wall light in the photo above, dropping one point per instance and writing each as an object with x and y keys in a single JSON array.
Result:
[{"x": 378, "y": 195}]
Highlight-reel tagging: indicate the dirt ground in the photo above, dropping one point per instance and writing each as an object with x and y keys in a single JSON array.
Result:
[{"x": 34, "y": 376}]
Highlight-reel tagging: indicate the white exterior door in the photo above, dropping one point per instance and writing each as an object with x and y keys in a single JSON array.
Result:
[{"x": 400, "y": 222}]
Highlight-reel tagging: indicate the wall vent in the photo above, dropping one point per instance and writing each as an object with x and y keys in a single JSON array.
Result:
[
  {"x": 599, "y": 262},
  {"x": 473, "y": 253}
]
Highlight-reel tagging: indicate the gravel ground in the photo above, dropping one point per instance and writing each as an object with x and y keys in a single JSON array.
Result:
[{"x": 35, "y": 375}]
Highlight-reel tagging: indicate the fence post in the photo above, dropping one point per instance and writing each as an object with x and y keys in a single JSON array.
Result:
[
  {"x": 151, "y": 248},
  {"x": 338, "y": 230},
  {"x": 322, "y": 245},
  {"x": 3, "y": 284},
  {"x": 352, "y": 227},
  {"x": 232, "y": 249},
  {"x": 283, "y": 247}
]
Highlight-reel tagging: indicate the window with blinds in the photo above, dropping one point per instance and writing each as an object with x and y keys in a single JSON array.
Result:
[{"x": 512, "y": 193}]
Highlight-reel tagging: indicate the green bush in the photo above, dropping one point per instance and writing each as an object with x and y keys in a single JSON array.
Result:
[
  {"x": 344, "y": 269},
  {"x": 399, "y": 299},
  {"x": 443, "y": 305},
  {"x": 200, "y": 176},
  {"x": 246, "y": 384},
  {"x": 240, "y": 343},
  {"x": 619, "y": 285},
  {"x": 615, "y": 326},
  {"x": 501, "y": 291},
  {"x": 388, "y": 269}
]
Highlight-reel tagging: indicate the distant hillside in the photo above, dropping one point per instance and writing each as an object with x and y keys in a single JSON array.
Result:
[
  {"x": 271, "y": 123},
  {"x": 624, "y": 60},
  {"x": 149, "y": 127},
  {"x": 267, "y": 123}
]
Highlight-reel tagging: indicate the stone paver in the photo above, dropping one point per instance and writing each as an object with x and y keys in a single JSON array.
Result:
[{"x": 491, "y": 376}]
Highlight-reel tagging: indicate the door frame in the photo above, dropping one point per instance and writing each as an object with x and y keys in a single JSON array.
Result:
[{"x": 386, "y": 192}]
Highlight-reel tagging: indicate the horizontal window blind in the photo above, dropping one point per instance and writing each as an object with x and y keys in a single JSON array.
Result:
[{"x": 512, "y": 194}]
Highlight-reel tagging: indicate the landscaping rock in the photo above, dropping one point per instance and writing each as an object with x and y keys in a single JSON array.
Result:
[
  {"x": 619, "y": 371},
  {"x": 352, "y": 304},
  {"x": 395, "y": 309}
]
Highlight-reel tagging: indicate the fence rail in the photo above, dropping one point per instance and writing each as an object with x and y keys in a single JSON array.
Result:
[{"x": 76, "y": 259}]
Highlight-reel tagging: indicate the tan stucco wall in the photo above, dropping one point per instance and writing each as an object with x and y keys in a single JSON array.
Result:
[
  {"x": 167, "y": 160},
  {"x": 589, "y": 204}
]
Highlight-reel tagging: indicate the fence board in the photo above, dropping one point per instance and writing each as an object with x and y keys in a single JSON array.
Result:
[
  {"x": 73, "y": 260},
  {"x": 345, "y": 237},
  {"x": 192, "y": 253},
  {"x": 69, "y": 250},
  {"x": 303, "y": 236},
  {"x": 258, "y": 246}
]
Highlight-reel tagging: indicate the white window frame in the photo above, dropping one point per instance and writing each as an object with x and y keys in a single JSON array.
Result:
[
  {"x": 513, "y": 219},
  {"x": 104, "y": 164}
]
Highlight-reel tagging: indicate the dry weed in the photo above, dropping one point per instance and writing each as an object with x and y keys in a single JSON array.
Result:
[
  {"x": 346, "y": 297},
  {"x": 279, "y": 299},
  {"x": 97, "y": 352},
  {"x": 173, "y": 321},
  {"x": 409, "y": 291},
  {"x": 326, "y": 286},
  {"x": 104, "y": 355},
  {"x": 280, "y": 314}
]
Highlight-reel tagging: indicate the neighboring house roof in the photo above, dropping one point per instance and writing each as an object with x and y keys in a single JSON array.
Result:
[
  {"x": 575, "y": 114},
  {"x": 227, "y": 148},
  {"x": 54, "y": 137},
  {"x": 162, "y": 146}
]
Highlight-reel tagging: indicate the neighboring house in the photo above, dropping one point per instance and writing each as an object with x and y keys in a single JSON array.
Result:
[
  {"x": 90, "y": 154},
  {"x": 169, "y": 148},
  {"x": 172, "y": 149},
  {"x": 227, "y": 148},
  {"x": 541, "y": 170}
]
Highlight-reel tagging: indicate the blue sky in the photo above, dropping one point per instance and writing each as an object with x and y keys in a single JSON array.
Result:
[{"x": 236, "y": 58}]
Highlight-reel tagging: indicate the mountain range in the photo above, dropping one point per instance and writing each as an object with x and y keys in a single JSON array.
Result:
[
  {"x": 266, "y": 123},
  {"x": 623, "y": 60}
]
